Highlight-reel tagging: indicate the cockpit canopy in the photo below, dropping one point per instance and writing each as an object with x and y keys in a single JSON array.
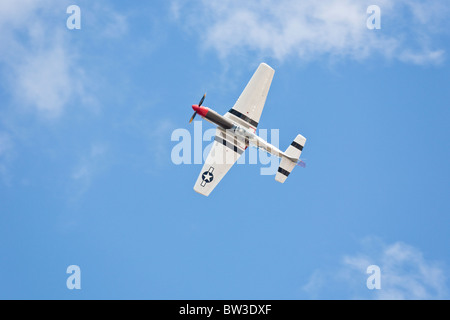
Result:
[{"x": 239, "y": 131}]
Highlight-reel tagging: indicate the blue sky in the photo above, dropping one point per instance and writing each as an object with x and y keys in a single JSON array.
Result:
[{"x": 87, "y": 179}]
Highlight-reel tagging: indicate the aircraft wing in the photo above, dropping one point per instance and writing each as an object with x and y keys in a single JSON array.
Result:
[
  {"x": 248, "y": 108},
  {"x": 225, "y": 151}
]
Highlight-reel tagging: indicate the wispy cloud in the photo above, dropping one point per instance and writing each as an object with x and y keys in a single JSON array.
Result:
[
  {"x": 45, "y": 81},
  {"x": 405, "y": 274},
  {"x": 88, "y": 166},
  {"x": 42, "y": 73},
  {"x": 41, "y": 58},
  {"x": 159, "y": 139},
  {"x": 310, "y": 29},
  {"x": 6, "y": 149},
  {"x": 45, "y": 75}
]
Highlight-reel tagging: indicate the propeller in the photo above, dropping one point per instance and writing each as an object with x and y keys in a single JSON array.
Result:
[{"x": 199, "y": 104}]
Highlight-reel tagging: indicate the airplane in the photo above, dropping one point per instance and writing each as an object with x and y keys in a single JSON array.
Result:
[{"x": 236, "y": 131}]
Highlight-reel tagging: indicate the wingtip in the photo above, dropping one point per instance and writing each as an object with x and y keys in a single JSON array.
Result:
[
  {"x": 263, "y": 64},
  {"x": 199, "y": 192}
]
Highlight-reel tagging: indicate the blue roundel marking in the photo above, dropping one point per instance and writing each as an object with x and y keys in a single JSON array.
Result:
[{"x": 207, "y": 176}]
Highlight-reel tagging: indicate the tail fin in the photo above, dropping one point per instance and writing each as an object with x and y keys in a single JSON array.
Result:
[{"x": 290, "y": 158}]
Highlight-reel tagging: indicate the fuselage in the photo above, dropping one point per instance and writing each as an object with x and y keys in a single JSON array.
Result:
[{"x": 241, "y": 133}]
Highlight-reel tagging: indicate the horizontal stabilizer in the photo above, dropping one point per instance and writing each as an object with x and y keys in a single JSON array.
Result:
[{"x": 290, "y": 158}]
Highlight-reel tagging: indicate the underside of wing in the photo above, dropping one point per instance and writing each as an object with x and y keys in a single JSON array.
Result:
[
  {"x": 224, "y": 153},
  {"x": 248, "y": 108}
]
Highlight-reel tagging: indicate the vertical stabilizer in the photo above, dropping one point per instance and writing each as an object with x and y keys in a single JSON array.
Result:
[{"x": 290, "y": 158}]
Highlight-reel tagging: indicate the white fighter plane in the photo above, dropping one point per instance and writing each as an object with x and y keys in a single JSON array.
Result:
[{"x": 236, "y": 131}]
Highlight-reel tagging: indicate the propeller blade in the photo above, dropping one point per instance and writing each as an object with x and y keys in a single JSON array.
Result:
[
  {"x": 201, "y": 101},
  {"x": 193, "y": 116}
]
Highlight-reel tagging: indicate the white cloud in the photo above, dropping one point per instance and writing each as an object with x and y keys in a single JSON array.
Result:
[
  {"x": 309, "y": 29},
  {"x": 41, "y": 57},
  {"x": 42, "y": 71},
  {"x": 405, "y": 274},
  {"x": 16, "y": 13},
  {"x": 409, "y": 276},
  {"x": 43, "y": 80},
  {"x": 422, "y": 58}
]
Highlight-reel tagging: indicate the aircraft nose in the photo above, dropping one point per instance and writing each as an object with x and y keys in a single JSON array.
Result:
[{"x": 200, "y": 110}]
